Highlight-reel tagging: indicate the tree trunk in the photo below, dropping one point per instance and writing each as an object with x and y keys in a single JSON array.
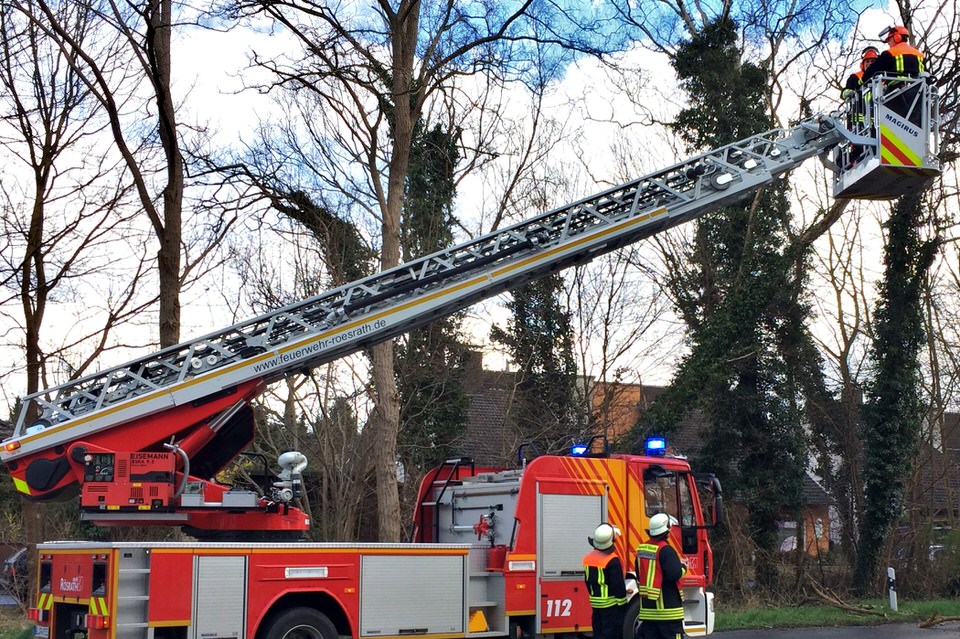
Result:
[
  {"x": 168, "y": 258},
  {"x": 404, "y": 27}
]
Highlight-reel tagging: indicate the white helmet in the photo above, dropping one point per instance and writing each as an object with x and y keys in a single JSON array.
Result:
[
  {"x": 659, "y": 524},
  {"x": 603, "y": 536}
]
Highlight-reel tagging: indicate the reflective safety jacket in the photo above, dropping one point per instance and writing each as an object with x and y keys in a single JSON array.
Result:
[
  {"x": 603, "y": 574},
  {"x": 901, "y": 59},
  {"x": 658, "y": 572},
  {"x": 854, "y": 82}
]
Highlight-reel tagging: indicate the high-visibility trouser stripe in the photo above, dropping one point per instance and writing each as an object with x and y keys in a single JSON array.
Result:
[
  {"x": 608, "y": 602},
  {"x": 98, "y": 606},
  {"x": 664, "y": 614}
]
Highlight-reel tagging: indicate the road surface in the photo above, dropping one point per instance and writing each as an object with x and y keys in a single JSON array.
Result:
[{"x": 949, "y": 630}]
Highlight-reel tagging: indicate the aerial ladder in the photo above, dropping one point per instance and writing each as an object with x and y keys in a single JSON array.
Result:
[{"x": 141, "y": 441}]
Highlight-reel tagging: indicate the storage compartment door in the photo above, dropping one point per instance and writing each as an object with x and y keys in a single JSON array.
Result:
[
  {"x": 566, "y": 520},
  {"x": 411, "y": 594},
  {"x": 565, "y": 523},
  {"x": 219, "y": 608}
]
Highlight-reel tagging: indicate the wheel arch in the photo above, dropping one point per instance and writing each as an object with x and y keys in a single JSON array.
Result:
[{"x": 322, "y": 602}]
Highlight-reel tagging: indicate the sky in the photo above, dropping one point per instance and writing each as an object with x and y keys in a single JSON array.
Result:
[
  {"x": 585, "y": 101},
  {"x": 209, "y": 65}
]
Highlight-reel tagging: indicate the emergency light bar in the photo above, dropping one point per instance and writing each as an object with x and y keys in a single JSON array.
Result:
[{"x": 656, "y": 446}]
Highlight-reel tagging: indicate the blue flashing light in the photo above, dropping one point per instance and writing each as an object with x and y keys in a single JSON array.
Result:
[
  {"x": 579, "y": 450},
  {"x": 656, "y": 446}
]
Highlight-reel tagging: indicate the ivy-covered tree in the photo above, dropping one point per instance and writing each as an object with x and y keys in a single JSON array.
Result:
[
  {"x": 893, "y": 414},
  {"x": 429, "y": 371},
  {"x": 739, "y": 290},
  {"x": 546, "y": 410}
]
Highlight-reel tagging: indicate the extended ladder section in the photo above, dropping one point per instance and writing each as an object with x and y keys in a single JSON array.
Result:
[
  {"x": 165, "y": 397},
  {"x": 360, "y": 314}
]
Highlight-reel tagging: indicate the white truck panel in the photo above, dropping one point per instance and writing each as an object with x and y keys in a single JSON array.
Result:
[
  {"x": 565, "y": 522},
  {"x": 411, "y": 594},
  {"x": 219, "y": 605}
]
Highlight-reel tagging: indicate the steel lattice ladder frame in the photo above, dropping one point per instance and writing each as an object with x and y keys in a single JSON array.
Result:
[{"x": 360, "y": 314}]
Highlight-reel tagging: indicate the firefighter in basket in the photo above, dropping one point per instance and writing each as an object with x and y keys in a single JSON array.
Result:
[
  {"x": 606, "y": 588},
  {"x": 903, "y": 60},
  {"x": 659, "y": 570}
]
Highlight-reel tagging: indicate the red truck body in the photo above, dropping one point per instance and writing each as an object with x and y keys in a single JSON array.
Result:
[{"x": 495, "y": 553}]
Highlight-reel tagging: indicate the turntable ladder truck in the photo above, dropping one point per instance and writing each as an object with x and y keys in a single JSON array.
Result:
[{"x": 495, "y": 550}]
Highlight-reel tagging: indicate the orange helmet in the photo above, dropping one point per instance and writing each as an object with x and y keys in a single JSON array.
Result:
[
  {"x": 895, "y": 34},
  {"x": 868, "y": 56}
]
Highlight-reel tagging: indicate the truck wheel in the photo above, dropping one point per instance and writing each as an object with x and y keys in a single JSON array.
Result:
[
  {"x": 630, "y": 618},
  {"x": 301, "y": 623}
]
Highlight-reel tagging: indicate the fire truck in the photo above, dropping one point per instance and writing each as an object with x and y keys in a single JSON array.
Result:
[{"x": 496, "y": 551}]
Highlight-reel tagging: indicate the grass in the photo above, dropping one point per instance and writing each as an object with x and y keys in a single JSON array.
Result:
[
  {"x": 14, "y": 624},
  {"x": 817, "y": 615}
]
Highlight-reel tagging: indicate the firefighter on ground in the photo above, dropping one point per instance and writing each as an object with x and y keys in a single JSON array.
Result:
[
  {"x": 659, "y": 570},
  {"x": 900, "y": 59},
  {"x": 606, "y": 588}
]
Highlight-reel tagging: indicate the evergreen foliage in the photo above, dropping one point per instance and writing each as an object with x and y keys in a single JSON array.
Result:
[
  {"x": 547, "y": 411},
  {"x": 429, "y": 360},
  {"x": 739, "y": 291},
  {"x": 893, "y": 413},
  {"x": 347, "y": 258}
]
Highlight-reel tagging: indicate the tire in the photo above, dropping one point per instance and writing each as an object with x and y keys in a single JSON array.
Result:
[
  {"x": 300, "y": 623},
  {"x": 630, "y": 618}
]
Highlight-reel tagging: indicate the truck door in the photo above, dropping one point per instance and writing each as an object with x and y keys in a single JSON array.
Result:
[
  {"x": 568, "y": 513},
  {"x": 672, "y": 492}
]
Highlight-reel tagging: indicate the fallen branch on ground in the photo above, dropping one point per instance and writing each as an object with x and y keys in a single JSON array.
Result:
[
  {"x": 936, "y": 620},
  {"x": 831, "y": 599}
]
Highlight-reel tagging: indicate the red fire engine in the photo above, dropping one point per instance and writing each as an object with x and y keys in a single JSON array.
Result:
[{"x": 496, "y": 551}]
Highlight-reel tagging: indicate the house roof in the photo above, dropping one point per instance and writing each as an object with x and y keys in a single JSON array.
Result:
[
  {"x": 813, "y": 493},
  {"x": 491, "y": 440}
]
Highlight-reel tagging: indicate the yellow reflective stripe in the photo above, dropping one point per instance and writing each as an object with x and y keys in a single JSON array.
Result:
[
  {"x": 662, "y": 614},
  {"x": 659, "y": 613},
  {"x": 98, "y": 606},
  {"x": 649, "y": 551},
  {"x": 45, "y": 601},
  {"x": 602, "y": 599},
  {"x": 21, "y": 486},
  {"x": 899, "y": 66},
  {"x": 906, "y": 155},
  {"x": 597, "y": 602}
]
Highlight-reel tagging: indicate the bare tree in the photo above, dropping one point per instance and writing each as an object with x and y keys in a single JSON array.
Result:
[
  {"x": 64, "y": 214},
  {"x": 841, "y": 286},
  {"x": 141, "y": 108},
  {"x": 317, "y": 413},
  {"x": 369, "y": 74}
]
